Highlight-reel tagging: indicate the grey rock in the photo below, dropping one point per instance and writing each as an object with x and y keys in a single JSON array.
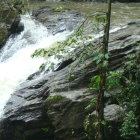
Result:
[
  {"x": 113, "y": 115},
  {"x": 56, "y": 103},
  {"x": 58, "y": 20},
  {"x": 113, "y": 112},
  {"x": 9, "y": 24}
]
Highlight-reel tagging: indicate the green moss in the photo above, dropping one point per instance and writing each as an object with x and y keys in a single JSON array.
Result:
[
  {"x": 58, "y": 9},
  {"x": 7, "y": 17},
  {"x": 71, "y": 77},
  {"x": 54, "y": 98},
  {"x": 3, "y": 34}
]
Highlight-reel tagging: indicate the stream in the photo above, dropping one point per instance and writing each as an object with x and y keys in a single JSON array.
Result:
[{"x": 16, "y": 63}]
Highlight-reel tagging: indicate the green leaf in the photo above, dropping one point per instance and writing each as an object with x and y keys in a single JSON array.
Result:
[
  {"x": 91, "y": 104},
  {"x": 107, "y": 56},
  {"x": 105, "y": 64},
  {"x": 103, "y": 122},
  {"x": 45, "y": 129},
  {"x": 96, "y": 123},
  {"x": 42, "y": 67}
]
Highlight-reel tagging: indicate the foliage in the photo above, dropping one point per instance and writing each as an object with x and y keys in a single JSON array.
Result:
[
  {"x": 61, "y": 49},
  {"x": 113, "y": 80},
  {"x": 91, "y": 104},
  {"x": 71, "y": 77},
  {"x": 130, "y": 96},
  {"x": 45, "y": 129},
  {"x": 55, "y": 97},
  {"x": 129, "y": 126},
  {"x": 128, "y": 80},
  {"x": 17, "y": 6},
  {"x": 90, "y": 125},
  {"x": 58, "y": 9},
  {"x": 57, "y": 52}
]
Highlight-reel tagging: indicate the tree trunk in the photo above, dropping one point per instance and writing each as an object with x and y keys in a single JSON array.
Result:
[
  {"x": 107, "y": 27},
  {"x": 102, "y": 73}
]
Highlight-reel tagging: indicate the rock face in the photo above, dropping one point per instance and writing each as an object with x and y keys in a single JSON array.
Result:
[
  {"x": 58, "y": 20},
  {"x": 52, "y": 106},
  {"x": 9, "y": 23}
]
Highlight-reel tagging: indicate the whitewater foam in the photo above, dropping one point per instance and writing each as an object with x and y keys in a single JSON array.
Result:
[{"x": 16, "y": 63}]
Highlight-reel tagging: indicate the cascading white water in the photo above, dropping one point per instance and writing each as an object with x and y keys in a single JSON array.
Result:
[{"x": 16, "y": 63}]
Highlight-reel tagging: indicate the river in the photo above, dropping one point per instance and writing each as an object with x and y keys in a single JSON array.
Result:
[{"x": 16, "y": 63}]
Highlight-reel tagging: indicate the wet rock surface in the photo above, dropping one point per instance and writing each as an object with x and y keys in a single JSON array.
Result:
[
  {"x": 52, "y": 107},
  {"x": 9, "y": 24},
  {"x": 57, "y": 19}
]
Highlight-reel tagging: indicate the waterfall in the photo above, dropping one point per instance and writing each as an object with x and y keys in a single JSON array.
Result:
[{"x": 16, "y": 63}]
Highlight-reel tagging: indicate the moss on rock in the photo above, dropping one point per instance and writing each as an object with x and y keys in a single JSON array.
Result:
[
  {"x": 8, "y": 18},
  {"x": 3, "y": 34}
]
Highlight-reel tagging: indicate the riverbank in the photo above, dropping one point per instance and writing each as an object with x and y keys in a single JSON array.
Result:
[{"x": 122, "y": 13}]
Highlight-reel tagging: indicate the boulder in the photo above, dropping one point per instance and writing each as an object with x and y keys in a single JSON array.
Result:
[
  {"x": 58, "y": 19},
  {"x": 52, "y": 106},
  {"x": 9, "y": 23},
  {"x": 113, "y": 115}
]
